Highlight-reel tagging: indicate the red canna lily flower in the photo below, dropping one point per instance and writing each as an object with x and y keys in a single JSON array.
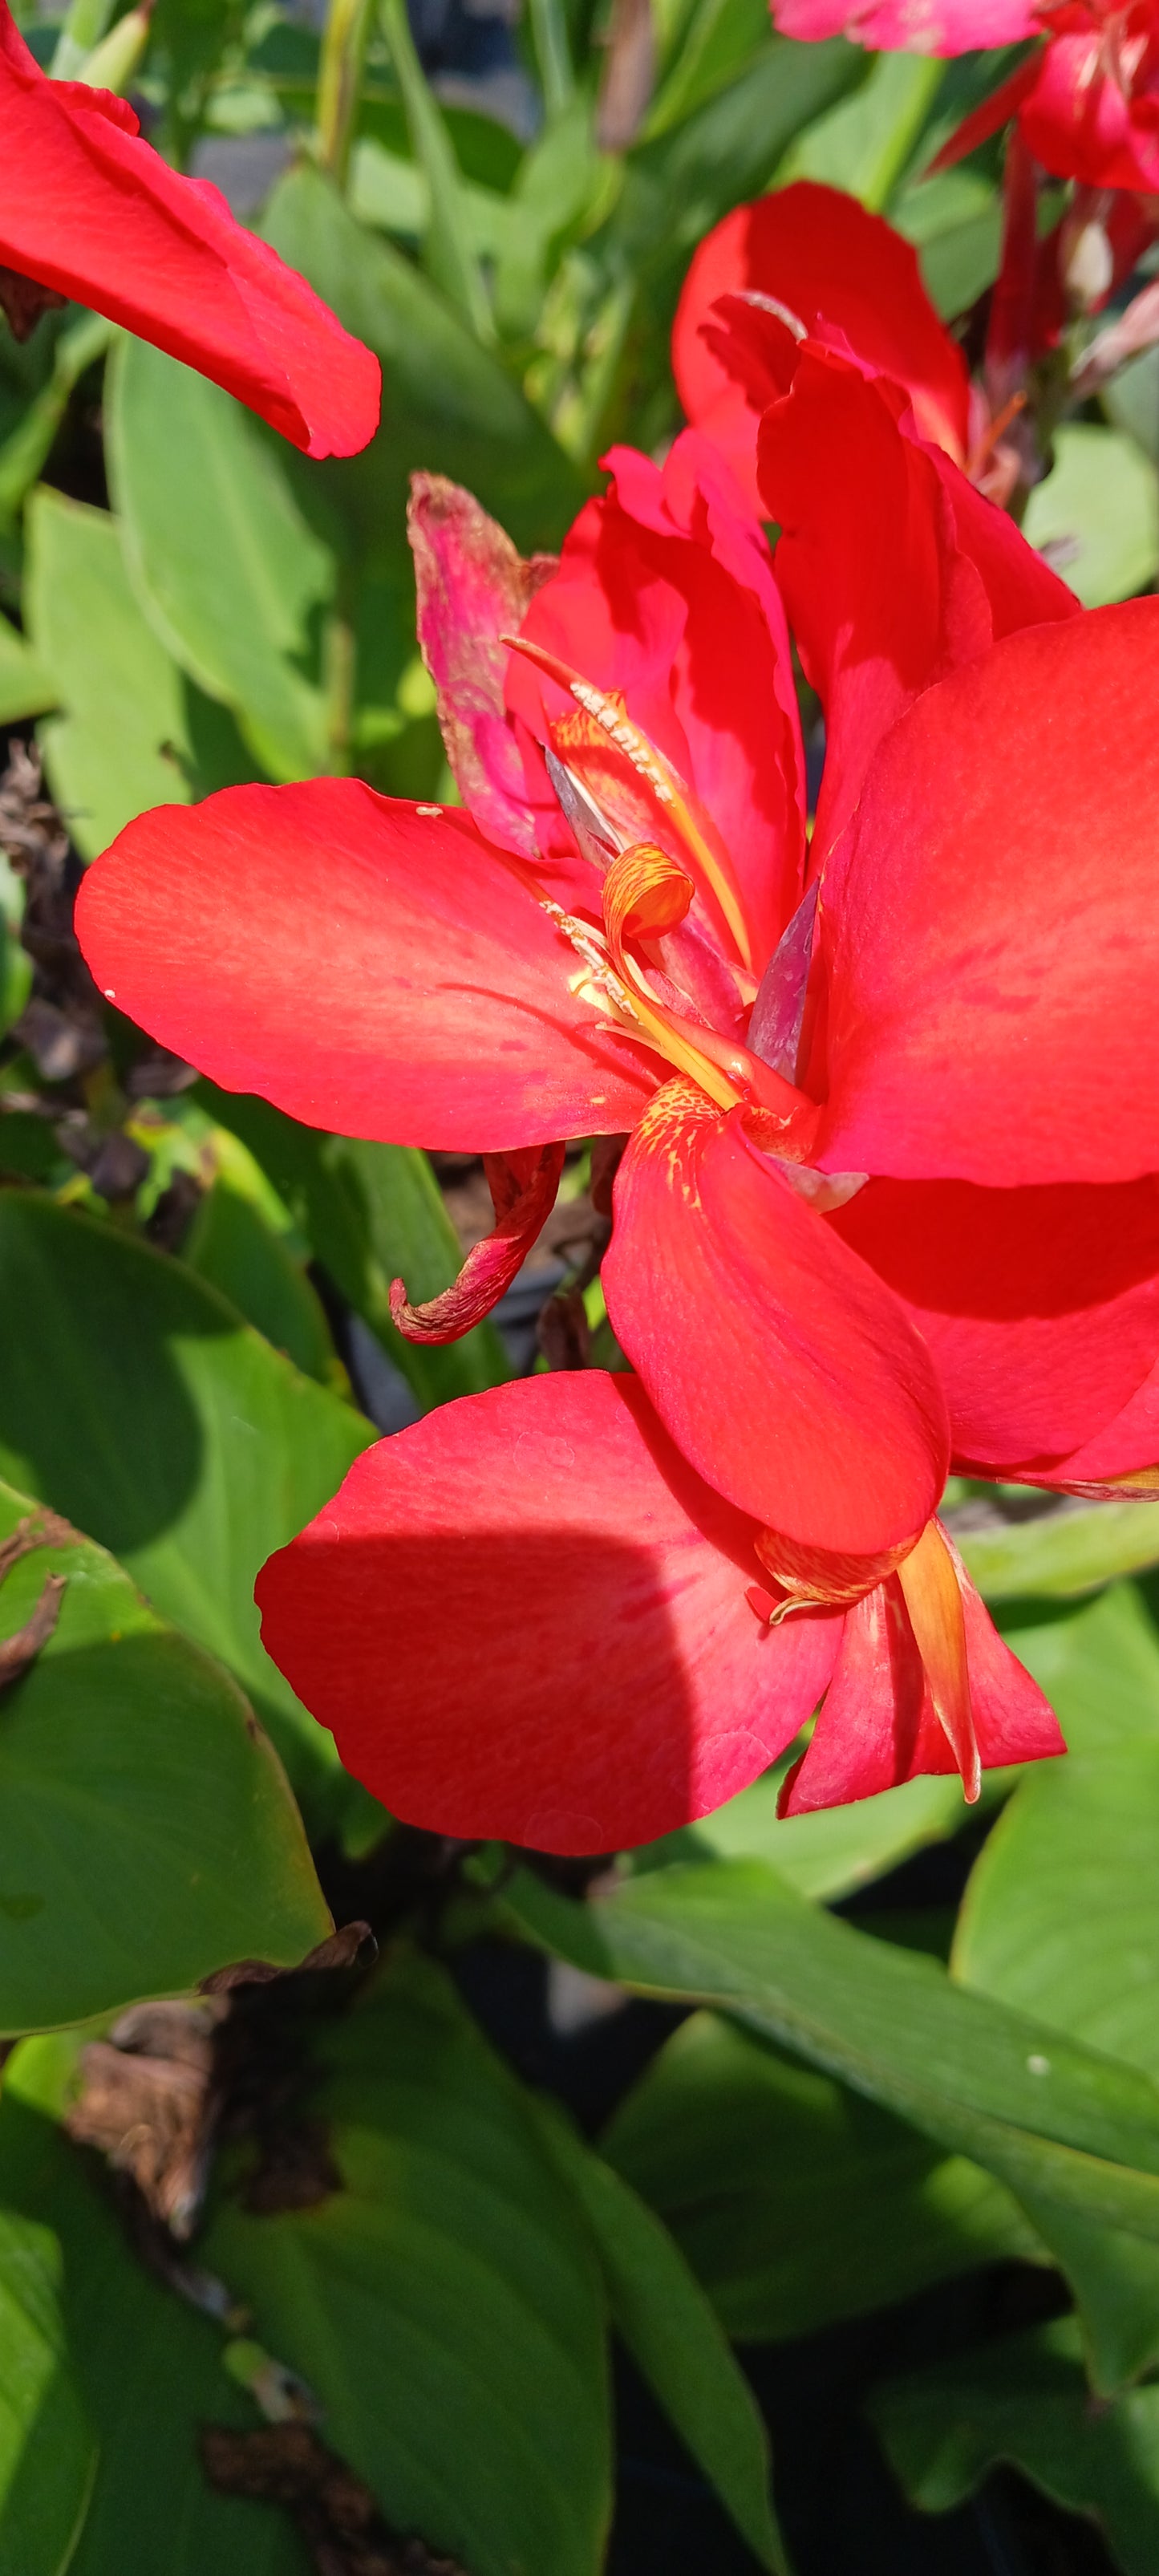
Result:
[
  {"x": 908, "y": 26},
  {"x": 92, "y": 212},
  {"x": 628, "y": 948},
  {"x": 528, "y": 1617},
  {"x": 1087, "y": 102}
]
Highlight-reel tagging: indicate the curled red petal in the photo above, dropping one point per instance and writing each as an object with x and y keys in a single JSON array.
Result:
[
  {"x": 844, "y": 274},
  {"x": 523, "y": 1188},
  {"x": 372, "y": 966},
  {"x": 994, "y": 941},
  {"x": 91, "y": 210},
  {"x": 526, "y": 1616},
  {"x": 788, "y": 1374},
  {"x": 473, "y": 586},
  {"x": 878, "y": 1725}
]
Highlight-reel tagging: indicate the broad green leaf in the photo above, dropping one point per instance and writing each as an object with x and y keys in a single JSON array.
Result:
[
  {"x": 686, "y": 178},
  {"x": 1061, "y": 1917},
  {"x": 1026, "y": 2400},
  {"x": 372, "y": 1213},
  {"x": 955, "y": 224},
  {"x": 864, "y": 143},
  {"x": 147, "y": 1412},
  {"x": 828, "y": 1854},
  {"x": 148, "y": 2369},
  {"x": 228, "y": 572},
  {"x": 716, "y": 39},
  {"x": 26, "y": 686},
  {"x": 47, "y": 2452},
  {"x": 1098, "y": 510},
  {"x": 795, "y": 2202},
  {"x": 1099, "y": 1666},
  {"x": 132, "y": 731},
  {"x": 147, "y": 1835},
  {"x": 445, "y": 2305},
  {"x": 559, "y": 183},
  {"x": 1069, "y": 1549},
  {"x": 673, "y": 2336},
  {"x": 1041, "y": 2112},
  {"x": 230, "y": 1244},
  {"x": 447, "y": 403},
  {"x": 1132, "y": 401}
]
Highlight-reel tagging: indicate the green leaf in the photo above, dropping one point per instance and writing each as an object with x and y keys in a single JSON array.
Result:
[
  {"x": 447, "y": 403},
  {"x": 1026, "y": 2400},
  {"x": 1041, "y": 2112},
  {"x": 373, "y": 1213},
  {"x": 148, "y": 2369},
  {"x": 132, "y": 731},
  {"x": 827, "y": 1854},
  {"x": 448, "y": 248},
  {"x": 1061, "y": 1918},
  {"x": 795, "y": 2202},
  {"x": 229, "y": 574},
  {"x": 1067, "y": 1549},
  {"x": 26, "y": 450},
  {"x": 147, "y": 1835},
  {"x": 1131, "y": 400},
  {"x": 864, "y": 143},
  {"x": 47, "y": 2452},
  {"x": 445, "y": 2305},
  {"x": 1099, "y": 509},
  {"x": 230, "y": 1244},
  {"x": 1098, "y": 1665},
  {"x": 26, "y": 686},
  {"x": 955, "y": 223},
  {"x": 175, "y": 1435},
  {"x": 673, "y": 2336}
]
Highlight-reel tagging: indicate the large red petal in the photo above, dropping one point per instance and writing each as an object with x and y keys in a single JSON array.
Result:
[
  {"x": 665, "y": 592},
  {"x": 840, "y": 271},
  {"x": 788, "y": 1374},
  {"x": 90, "y": 209},
  {"x": 527, "y": 1617},
  {"x": 1040, "y": 1306},
  {"x": 993, "y": 933},
  {"x": 371, "y": 966},
  {"x": 893, "y": 575}
]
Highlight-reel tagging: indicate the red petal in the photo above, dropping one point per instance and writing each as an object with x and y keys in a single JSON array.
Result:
[
  {"x": 892, "y": 576},
  {"x": 372, "y": 967},
  {"x": 526, "y": 1617},
  {"x": 878, "y": 1726},
  {"x": 850, "y": 279},
  {"x": 920, "y": 26},
  {"x": 92, "y": 210},
  {"x": 665, "y": 592},
  {"x": 789, "y": 1376},
  {"x": 1040, "y": 1306},
  {"x": 523, "y": 1188},
  {"x": 994, "y": 939},
  {"x": 473, "y": 586}
]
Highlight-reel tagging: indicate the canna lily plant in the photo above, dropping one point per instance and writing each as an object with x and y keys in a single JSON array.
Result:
[{"x": 882, "y": 1204}]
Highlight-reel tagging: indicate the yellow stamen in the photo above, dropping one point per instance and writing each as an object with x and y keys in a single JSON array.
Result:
[{"x": 658, "y": 774}]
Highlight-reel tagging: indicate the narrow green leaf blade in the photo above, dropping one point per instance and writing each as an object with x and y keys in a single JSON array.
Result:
[
  {"x": 674, "y": 2338},
  {"x": 48, "y": 2453}
]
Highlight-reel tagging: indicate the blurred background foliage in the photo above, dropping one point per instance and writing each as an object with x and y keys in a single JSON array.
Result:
[{"x": 874, "y": 2094}]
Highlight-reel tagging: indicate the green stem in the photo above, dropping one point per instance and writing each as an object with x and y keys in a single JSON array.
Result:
[
  {"x": 339, "y": 80},
  {"x": 448, "y": 251},
  {"x": 553, "y": 55}
]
